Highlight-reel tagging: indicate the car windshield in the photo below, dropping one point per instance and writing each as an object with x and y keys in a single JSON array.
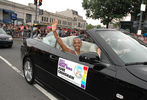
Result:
[
  {"x": 127, "y": 48},
  {"x": 2, "y": 31}
]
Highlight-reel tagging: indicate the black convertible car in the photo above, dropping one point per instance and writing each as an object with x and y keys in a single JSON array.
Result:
[
  {"x": 119, "y": 74},
  {"x": 5, "y": 39}
]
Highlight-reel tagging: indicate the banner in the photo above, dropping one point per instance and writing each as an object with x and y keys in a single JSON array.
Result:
[{"x": 72, "y": 72}]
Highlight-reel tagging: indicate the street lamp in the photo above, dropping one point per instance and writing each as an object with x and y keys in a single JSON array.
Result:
[{"x": 143, "y": 7}]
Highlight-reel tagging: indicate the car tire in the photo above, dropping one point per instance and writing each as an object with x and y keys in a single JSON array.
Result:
[{"x": 28, "y": 71}]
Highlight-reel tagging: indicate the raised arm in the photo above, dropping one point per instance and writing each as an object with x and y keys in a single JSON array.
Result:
[{"x": 60, "y": 42}]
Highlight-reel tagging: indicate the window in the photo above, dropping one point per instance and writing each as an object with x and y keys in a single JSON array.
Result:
[
  {"x": 51, "y": 20},
  {"x": 75, "y": 19},
  {"x": 64, "y": 23},
  {"x": 2, "y": 31},
  {"x": 49, "y": 40},
  {"x": 87, "y": 43},
  {"x": 79, "y": 25},
  {"x": 47, "y": 19},
  {"x": 127, "y": 47},
  {"x": 28, "y": 18},
  {"x": 59, "y": 22}
]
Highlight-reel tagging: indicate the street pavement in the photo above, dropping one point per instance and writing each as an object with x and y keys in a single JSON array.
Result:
[{"x": 12, "y": 85}]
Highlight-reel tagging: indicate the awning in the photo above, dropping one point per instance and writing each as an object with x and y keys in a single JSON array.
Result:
[
  {"x": 9, "y": 11},
  {"x": 7, "y": 21},
  {"x": 1, "y": 9}
]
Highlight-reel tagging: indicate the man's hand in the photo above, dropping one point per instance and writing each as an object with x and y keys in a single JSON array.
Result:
[
  {"x": 99, "y": 52},
  {"x": 54, "y": 25}
]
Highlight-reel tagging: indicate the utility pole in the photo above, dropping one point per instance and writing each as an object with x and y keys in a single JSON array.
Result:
[
  {"x": 140, "y": 20},
  {"x": 37, "y": 3},
  {"x": 36, "y": 13}
]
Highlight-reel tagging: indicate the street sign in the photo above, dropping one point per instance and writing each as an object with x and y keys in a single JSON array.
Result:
[
  {"x": 138, "y": 14},
  {"x": 14, "y": 16},
  {"x": 139, "y": 32},
  {"x": 143, "y": 7}
]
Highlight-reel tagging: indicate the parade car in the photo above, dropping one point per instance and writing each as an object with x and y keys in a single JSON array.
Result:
[
  {"x": 5, "y": 39},
  {"x": 120, "y": 73}
]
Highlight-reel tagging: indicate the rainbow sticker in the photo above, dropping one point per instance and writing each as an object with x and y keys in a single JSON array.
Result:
[
  {"x": 81, "y": 73},
  {"x": 83, "y": 81}
]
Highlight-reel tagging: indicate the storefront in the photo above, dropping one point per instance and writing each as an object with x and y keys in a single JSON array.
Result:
[{"x": 7, "y": 16}]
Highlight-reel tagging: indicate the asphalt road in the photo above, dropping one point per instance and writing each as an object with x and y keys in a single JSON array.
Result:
[{"x": 12, "y": 85}]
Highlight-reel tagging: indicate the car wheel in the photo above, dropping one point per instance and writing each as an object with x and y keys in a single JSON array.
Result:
[{"x": 28, "y": 71}]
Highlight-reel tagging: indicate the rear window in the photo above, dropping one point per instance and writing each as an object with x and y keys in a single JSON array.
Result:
[{"x": 2, "y": 31}]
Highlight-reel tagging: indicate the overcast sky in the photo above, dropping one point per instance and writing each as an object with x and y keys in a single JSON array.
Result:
[{"x": 61, "y": 5}]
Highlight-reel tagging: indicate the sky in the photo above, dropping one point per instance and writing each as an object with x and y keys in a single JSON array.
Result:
[{"x": 61, "y": 5}]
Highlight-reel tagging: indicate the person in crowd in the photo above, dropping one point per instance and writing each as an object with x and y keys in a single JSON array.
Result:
[
  {"x": 49, "y": 29},
  {"x": 145, "y": 36},
  {"x": 62, "y": 33},
  {"x": 43, "y": 33},
  {"x": 77, "y": 42}
]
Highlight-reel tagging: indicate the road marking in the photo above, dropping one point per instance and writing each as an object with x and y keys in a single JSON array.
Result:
[
  {"x": 11, "y": 66},
  {"x": 50, "y": 96}
]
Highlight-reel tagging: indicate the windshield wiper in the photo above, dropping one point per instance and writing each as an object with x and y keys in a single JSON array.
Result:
[{"x": 136, "y": 63}]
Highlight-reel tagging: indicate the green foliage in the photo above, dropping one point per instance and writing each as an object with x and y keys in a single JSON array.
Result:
[
  {"x": 98, "y": 26},
  {"x": 107, "y": 10},
  {"x": 135, "y": 6},
  {"x": 116, "y": 25},
  {"x": 89, "y": 26}
]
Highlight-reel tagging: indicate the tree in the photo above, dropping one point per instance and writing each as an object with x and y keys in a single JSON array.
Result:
[
  {"x": 89, "y": 26},
  {"x": 106, "y": 10},
  {"x": 135, "y": 7}
]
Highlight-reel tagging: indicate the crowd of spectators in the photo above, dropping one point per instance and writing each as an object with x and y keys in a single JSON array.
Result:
[
  {"x": 41, "y": 31},
  {"x": 17, "y": 30}
]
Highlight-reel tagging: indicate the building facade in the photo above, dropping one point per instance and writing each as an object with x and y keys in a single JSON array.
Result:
[{"x": 26, "y": 15}]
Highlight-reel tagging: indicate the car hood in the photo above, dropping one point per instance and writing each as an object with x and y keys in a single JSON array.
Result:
[
  {"x": 4, "y": 36},
  {"x": 140, "y": 71}
]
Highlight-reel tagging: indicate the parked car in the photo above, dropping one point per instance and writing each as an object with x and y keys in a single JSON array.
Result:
[
  {"x": 119, "y": 74},
  {"x": 5, "y": 39}
]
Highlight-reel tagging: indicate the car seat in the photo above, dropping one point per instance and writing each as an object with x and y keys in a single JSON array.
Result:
[{"x": 86, "y": 46}]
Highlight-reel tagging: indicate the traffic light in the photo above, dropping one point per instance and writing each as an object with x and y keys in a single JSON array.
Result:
[
  {"x": 40, "y": 2},
  {"x": 35, "y": 2}
]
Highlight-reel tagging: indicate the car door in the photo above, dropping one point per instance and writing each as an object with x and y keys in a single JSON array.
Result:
[
  {"x": 43, "y": 61},
  {"x": 101, "y": 82},
  {"x": 97, "y": 84}
]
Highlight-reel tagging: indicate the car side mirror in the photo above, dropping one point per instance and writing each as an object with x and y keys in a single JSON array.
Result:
[{"x": 90, "y": 57}]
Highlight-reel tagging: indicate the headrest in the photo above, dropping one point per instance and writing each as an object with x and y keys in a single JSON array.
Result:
[{"x": 68, "y": 40}]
